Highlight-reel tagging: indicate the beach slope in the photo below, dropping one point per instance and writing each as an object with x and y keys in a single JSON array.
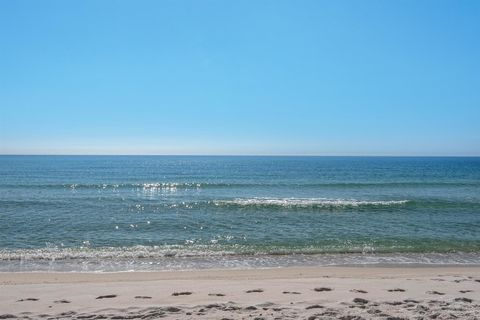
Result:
[{"x": 308, "y": 293}]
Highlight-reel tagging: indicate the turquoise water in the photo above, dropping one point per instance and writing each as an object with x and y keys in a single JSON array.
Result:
[{"x": 115, "y": 213}]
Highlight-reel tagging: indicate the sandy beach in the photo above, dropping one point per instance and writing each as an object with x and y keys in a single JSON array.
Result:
[{"x": 283, "y": 293}]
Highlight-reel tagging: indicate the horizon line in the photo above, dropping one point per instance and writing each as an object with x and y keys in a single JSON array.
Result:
[{"x": 240, "y": 155}]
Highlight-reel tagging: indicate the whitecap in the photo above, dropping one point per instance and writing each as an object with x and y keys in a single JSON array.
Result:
[{"x": 308, "y": 202}]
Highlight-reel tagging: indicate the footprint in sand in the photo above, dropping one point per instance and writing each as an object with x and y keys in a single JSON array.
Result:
[
  {"x": 183, "y": 293},
  {"x": 360, "y": 301},
  {"x": 465, "y": 291},
  {"x": 394, "y": 303},
  {"x": 172, "y": 309},
  {"x": 436, "y": 292},
  {"x": 108, "y": 296},
  {"x": 61, "y": 301}
]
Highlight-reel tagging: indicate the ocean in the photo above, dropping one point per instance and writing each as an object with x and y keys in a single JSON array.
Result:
[{"x": 123, "y": 213}]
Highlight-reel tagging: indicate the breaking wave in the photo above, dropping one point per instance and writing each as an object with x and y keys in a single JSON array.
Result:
[
  {"x": 308, "y": 202},
  {"x": 150, "y": 258}
]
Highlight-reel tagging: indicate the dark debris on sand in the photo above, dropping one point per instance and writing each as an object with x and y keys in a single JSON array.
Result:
[
  {"x": 358, "y": 291},
  {"x": 107, "y": 296},
  {"x": 184, "y": 293},
  {"x": 254, "y": 291},
  {"x": 27, "y": 299}
]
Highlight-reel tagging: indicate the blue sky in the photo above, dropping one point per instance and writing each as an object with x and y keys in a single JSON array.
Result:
[{"x": 240, "y": 77}]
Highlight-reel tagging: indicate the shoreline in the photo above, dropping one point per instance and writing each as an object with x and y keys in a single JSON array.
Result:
[
  {"x": 441, "y": 292},
  {"x": 59, "y": 261},
  {"x": 32, "y": 277}
]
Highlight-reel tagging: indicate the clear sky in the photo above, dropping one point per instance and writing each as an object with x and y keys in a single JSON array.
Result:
[{"x": 240, "y": 77}]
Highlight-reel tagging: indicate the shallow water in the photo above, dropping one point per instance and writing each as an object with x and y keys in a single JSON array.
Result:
[{"x": 117, "y": 213}]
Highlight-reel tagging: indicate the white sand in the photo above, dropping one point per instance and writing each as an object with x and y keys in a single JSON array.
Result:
[{"x": 416, "y": 299}]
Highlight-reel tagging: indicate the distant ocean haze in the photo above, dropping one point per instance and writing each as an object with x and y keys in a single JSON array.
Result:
[{"x": 114, "y": 213}]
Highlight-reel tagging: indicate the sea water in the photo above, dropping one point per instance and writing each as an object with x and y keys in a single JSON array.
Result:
[{"x": 118, "y": 213}]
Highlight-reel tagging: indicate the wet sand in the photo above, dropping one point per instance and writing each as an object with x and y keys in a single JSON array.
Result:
[{"x": 283, "y": 293}]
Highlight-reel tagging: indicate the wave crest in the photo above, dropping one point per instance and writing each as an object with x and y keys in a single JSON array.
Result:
[{"x": 307, "y": 202}]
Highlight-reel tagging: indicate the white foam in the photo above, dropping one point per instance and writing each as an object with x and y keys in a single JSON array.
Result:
[
  {"x": 307, "y": 202},
  {"x": 130, "y": 261}
]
